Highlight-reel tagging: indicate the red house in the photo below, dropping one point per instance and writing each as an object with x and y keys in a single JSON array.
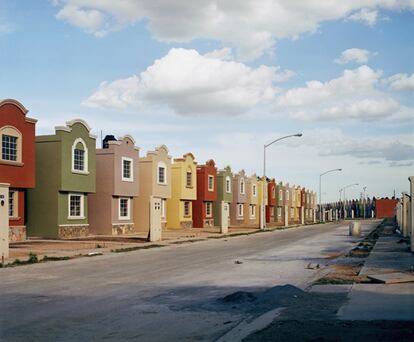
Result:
[
  {"x": 271, "y": 201},
  {"x": 17, "y": 161},
  {"x": 206, "y": 195}
]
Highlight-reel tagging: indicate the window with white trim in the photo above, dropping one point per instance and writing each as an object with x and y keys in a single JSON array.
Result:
[
  {"x": 163, "y": 208},
  {"x": 11, "y": 144},
  {"x": 13, "y": 208},
  {"x": 76, "y": 206},
  {"x": 127, "y": 169},
  {"x": 279, "y": 211},
  {"x": 254, "y": 190},
  {"x": 210, "y": 183},
  {"x": 79, "y": 156},
  {"x": 242, "y": 186},
  {"x": 287, "y": 195},
  {"x": 252, "y": 211},
  {"x": 161, "y": 173},
  {"x": 240, "y": 210},
  {"x": 280, "y": 194},
  {"x": 209, "y": 209},
  {"x": 228, "y": 184},
  {"x": 187, "y": 209},
  {"x": 189, "y": 179},
  {"x": 124, "y": 208}
]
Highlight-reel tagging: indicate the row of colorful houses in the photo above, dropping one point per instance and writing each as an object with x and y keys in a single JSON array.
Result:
[{"x": 62, "y": 186}]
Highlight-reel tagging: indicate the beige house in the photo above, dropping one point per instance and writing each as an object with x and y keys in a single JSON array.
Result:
[
  {"x": 117, "y": 184},
  {"x": 155, "y": 182},
  {"x": 251, "y": 211}
]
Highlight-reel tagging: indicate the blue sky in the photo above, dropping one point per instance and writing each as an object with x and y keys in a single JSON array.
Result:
[{"x": 221, "y": 78}]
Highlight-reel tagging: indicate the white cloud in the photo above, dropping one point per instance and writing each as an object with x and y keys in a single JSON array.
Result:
[
  {"x": 367, "y": 16},
  {"x": 251, "y": 26},
  {"x": 354, "y": 95},
  {"x": 191, "y": 84},
  {"x": 402, "y": 82},
  {"x": 353, "y": 55}
]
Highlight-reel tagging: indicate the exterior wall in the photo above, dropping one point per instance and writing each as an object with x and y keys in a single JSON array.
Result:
[
  {"x": 238, "y": 198},
  {"x": 149, "y": 186},
  {"x": 385, "y": 208},
  {"x": 222, "y": 194},
  {"x": 48, "y": 202},
  {"x": 271, "y": 202},
  {"x": 204, "y": 195},
  {"x": 251, "y": 200},
  {"x": 180, "y": 192}
]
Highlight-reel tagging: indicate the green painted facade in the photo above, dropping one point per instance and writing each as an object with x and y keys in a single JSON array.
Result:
[
  {"x": 222, "y": 194},
  {"x": 48, "y": 205}
]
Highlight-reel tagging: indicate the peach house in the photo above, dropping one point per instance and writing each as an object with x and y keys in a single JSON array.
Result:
[
  {"x": 155, "y": 182},
  {"x": 17, "y": 162},
  {"x": 117, "y": 186},
  {"x": 251, "y": 211},
  {"x": 271, "y": 202},
  {"x": 183, "y": 192},
  {"x": 239, "y": 199}
]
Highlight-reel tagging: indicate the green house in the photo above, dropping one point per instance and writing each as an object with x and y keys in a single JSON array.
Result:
[
  {"x": 224, "y": 194},
  {"x": 65, "y": 175}
]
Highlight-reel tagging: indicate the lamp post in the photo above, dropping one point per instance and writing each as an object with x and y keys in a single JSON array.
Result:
[
  {"x": 344, "y": 188},
  {"x": 320, "y": 190},
  {"x": 262, "y": 218}
]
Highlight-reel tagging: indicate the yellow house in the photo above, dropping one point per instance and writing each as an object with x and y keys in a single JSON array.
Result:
[
  {"x": 183, "y": 192},
  {"x": 297, "y": 204},
  {"x": 260, "y": 188}
]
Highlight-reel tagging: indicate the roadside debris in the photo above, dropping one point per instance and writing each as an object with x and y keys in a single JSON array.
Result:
[
  {"x": 311, "y": 266},
  {"x": 92, "y": 254},
  {"x": 392, "y": 278},
  {"x": 238, "y": 262}
]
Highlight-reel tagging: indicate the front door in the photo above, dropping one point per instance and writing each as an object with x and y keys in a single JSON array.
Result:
[{"x": 155, "y": 219}]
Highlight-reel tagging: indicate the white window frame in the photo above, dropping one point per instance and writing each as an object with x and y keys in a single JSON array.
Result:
[
  {"x": 85, "y": 170},
  {"x": 163, "y": 209},
  {"x": 210, "y": 177},
  {"x": 287, "y": 195},
  {"x": 189, "y": 209},
  {"x": 82, "y": 207},
  {"x": 240, "y": 210},
  {"x": 159, "y": 166},
  {"x": 279, "y": 211},
  {"x": 228, "y": 185},
  {"x": 254, "y": 190},
  {"x": 131, "y": 178},
  {"x": 209, "y": 207},
  {"x": 13, "y": 132},
  {"x": 252, "y": 211},
  {"x": 280, "y": 194},
  {"x": 128, "y": 217},
  {"x": 242, "y": 186}
]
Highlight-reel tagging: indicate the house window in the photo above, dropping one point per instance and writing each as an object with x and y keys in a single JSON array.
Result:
[
  {"x": 254, "y": 190},
  {"x": 287, "y": 195},
  {"x": 76, "y": 206},
  {"x": 228, "y": 184},
  {"x": 209, "y": 209},
  {"x": 240, "y": 209},
  {"x": 13, "y": 203},
  {"x": 210, "y": 183},
  {"x": 273, "y": 192},
  {"x": 187, "y": 209},
  {"x": 280, "y": 194},
  {"x": 124, "y": 208},
  {"x": 163, "y": 208},
  {"x": 242, "y": 186},
  {"x": 162, "y": 179},
  {"x": 79, "y": 156},
  {"x": 189, "y": 179},
  {"x": 127, "y": 169},
  {"x": 9, "y": 147},
  {"x": 279, "y": 211},
  {"x": 252, "y": 211}
]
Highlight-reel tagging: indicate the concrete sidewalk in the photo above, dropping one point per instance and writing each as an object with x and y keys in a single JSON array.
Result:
[{"x": 383, "y": 301}]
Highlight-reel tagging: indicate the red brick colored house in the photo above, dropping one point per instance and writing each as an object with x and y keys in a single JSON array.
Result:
[
  {"x": 17, "y": 161},
  {"x": 271, "y": 201},
  {"x": 385, "y": 207},
  {"x": 203, "y": 215}
]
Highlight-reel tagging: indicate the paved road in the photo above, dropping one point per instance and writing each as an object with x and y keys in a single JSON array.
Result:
[{"x": 169, "y": 293}]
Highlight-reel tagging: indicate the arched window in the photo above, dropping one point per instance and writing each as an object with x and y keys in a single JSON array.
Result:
[
  {"x": 228, "y": 184},
  {"x": 161, "y": 173},
  {"x": 79, "y": 156},
  {"x": 11, "y": 144}
]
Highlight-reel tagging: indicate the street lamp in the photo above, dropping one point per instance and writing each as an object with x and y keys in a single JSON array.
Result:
[
  {"x": 320, "y": 190},
  {"x": 344, "y": 188},
  {"x": 262, "y": 218}
]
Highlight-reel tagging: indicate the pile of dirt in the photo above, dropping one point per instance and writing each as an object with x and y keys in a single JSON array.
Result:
[{"x": 238, "y": 297}]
